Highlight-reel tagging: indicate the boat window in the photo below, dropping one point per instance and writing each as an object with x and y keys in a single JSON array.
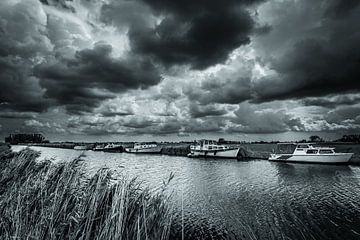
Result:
[
  {"x": 326, "y": 151},
  {"x": 303, "y": 146},
  {"x": 312, "y": 151}
]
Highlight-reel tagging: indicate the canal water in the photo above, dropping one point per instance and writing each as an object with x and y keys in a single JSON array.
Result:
[{"x": 229, "y": 199}]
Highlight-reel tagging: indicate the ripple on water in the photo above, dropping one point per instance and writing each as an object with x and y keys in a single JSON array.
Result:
[{"x": 228, "y": 199}]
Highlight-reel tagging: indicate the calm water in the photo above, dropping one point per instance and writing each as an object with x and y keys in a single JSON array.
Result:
[{"x": 229, "y": 199}]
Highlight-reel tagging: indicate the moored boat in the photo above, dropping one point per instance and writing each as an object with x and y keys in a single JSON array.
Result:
[
  {"x": 144, "y": 148},
  {"x": 307, "y": 153},
  {"x": 98, "y": 148},
  {"x": 81, "y": 147},
  {"x": 210, "y": 148},
  {"x": 111, "y": 147}
]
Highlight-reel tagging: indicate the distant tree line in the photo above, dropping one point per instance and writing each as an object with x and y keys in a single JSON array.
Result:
[
  {"x": 25, "y": 138},
  {"x": 354, "y": 138},
  {"x": 313, "y": 138}
]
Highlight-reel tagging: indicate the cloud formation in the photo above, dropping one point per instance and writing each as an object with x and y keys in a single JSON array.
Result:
[
  {"x": 321, "y": 57},
  {"x": 179, "y": 67},
  {"x": 199, "y": 33},
  {"x": 23, "y": 42},
  {"x": 92, "y": 76}
]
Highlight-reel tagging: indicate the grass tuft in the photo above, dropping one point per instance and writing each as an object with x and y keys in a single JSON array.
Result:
[{"x": 44, "y": 200}]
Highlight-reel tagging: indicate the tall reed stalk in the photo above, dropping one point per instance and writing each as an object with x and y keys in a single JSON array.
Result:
[{"x": 43, "y": 200}]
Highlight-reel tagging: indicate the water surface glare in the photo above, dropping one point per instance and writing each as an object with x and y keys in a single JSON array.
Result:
[{"x": 229, "y": 199}]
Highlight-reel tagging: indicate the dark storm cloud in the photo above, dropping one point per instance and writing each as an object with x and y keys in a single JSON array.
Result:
[
  {"x": 22, "y": 42},
  {"x": 114, "y": 114},
  {"x": 260, "y": 119},
  {"x": 82, "y": 82},
  {"x": 212, "y": 124},
  {"x": 59, "y": 3},
  {"x": 161, "y": 128},
  {"x": 18, "y": 115},
  {"x": 18, "y": 90},
  {"x": 346, "y": 113},
  {"x": 199, "y": 111},
  {"x": 230, "y": 85},
  {"x": 332, "y": 101},
  {"x": 225, "y": 90},
  {"x": 22, "y": 30},
  {"x": 322, "y": 60},
  {"x": 48, "y": 60},
  {"x": 200, "y": 33},
  {"x": 339, "y": 8}
]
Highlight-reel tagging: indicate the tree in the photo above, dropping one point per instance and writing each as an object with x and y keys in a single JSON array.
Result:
[{"x": 315, "y": 138}]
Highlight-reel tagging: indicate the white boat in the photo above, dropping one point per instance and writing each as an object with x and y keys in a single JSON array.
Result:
[
  {"x": 108, "y": 147},
  {"x": 210, "y": 148},
  {"x": 81, "y": 147},
  {"x": 307, "y": 153},
  {"x": 99, "y": 148},
  {"x": 144, "y": 148}
]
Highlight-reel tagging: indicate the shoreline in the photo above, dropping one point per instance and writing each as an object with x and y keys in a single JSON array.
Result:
[{"x": 248, "y": 151}]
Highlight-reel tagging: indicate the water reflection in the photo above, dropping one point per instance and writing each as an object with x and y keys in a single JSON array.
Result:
[{"x": 292, "y": 172}]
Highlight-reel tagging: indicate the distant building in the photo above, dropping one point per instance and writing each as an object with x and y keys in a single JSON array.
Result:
[{"x": 25, "y": 138}]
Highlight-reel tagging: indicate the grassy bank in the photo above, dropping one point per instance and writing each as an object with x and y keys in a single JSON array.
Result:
[{"x": 43, "y": 200}]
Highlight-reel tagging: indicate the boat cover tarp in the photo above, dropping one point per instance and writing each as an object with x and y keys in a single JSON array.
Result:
[{"x": 285, "y": 148}]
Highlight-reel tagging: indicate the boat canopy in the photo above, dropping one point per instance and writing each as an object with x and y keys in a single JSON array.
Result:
[
  {"x": 206, "y": 142},
  {"x": 285, "y": 148}
]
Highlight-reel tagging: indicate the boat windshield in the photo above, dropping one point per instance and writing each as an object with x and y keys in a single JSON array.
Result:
[
  {"x": 326, "y": 151},
  {"x": 206, "y": 142},
  {"x": 285, "y": 148},
  {"x": 302, "y": 146}
]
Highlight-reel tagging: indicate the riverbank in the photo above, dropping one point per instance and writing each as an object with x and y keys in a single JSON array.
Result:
[
  {"x": 248, "y": 151},
  {"x": 44, "y": 200},
  {"x": 229, "y": 199}
]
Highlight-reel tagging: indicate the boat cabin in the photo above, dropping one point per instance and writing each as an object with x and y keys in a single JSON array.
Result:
[
  {"x": 301, "y": 149},
  {"x": 206, "y": 145},
  {"x": 144, "y": 145}
]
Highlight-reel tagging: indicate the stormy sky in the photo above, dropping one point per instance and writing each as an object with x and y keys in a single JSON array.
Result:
[{"x": 180, "y": 69}]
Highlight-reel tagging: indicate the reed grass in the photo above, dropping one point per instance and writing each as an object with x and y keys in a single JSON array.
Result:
[{"x": 44, "y": 200}]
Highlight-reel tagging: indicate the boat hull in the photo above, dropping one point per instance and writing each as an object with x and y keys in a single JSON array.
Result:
[
  {"x": 81, "y": 148},
  {"x": 145, "y": 150},
  {"x": 109, "y": 149},
  {"x": 113, "y": 149},
  {"x": 230, "y": 153},
  {"x": 338, "y": 158}
]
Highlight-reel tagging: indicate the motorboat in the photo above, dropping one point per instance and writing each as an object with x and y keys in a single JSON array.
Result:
[
  {"x": 307, "y": 153},
  {"x": 81, "y": 147},
  {"x": 99, "y": 147},
  {"x": 211, "y": 148},
  {"x": 111, "y": 147},
  {"x": 144, "y": 148}
]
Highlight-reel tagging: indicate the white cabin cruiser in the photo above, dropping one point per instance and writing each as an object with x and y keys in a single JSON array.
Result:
[
  {"x": 144, "y": 148},
  {"x": 210, "y": 148},
  {"x": 306, "y": 153},
  {"x": 81, "y": 147},
  {"x": 111, "y": 147}
]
